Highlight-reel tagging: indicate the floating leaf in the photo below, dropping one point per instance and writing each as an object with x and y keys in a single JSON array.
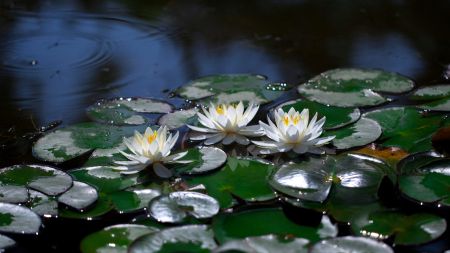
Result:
[
  {"x": 264, "y": 244},
  {"x": 230, "y": 88},
  {"x": 132, "y": 200},
  {"x": 406, "y": 127},
  {"x": 363, "y": 132},
  {"x": 245, "y": 178},
  {"x": 69, "y": 142},
  {"x": 178, "y": 118},
  {"x": 189, "y": 238},
  {"x": 351, "y": 244},
  {"x": 177, "y": 205},
  {"x": 41, "y": 178},
  {"x": 101, "y": 207},
  {"x": 438, "y": 94},
  {"x": 312, "y": 179},
  {"x": 204, "y": 159},
  {"x": 407, "y": 229},
  {"x": 257, "y": 222},
  {"x": 18, "y": 219},
  {"x": 353, "y": 87},
  {"x": 336, "y": 117},
  {"x": 6, "y": 242},
  {"x": 13, "y": 194},
  {"x": 115, "y": 238},
  {"x": 42, "y": 204},
  {"x": 80, "y": 196},
  {"x": 440, "y": 140},
  {"x": 390, "y": 155}
]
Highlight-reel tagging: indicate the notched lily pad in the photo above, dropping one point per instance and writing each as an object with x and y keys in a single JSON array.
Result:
[
  {"x": 436, "y": 98},
  {"x": 132, "y": 200},
  {"x": 230, "y": 88},
  {"x": 354, "y": 87},
  {"x": 80, "y": 196},
  {"x": 204, "y": 159},
  {"x": 18, "y": 219},
  {"x": 177, "y": 205},
  {"x": 179, "y": 118},
  {"x": 124, "y": 111},
  {"x": 264, "y": 244},
  {"x": 336, "y": 117},
  {"x": 351, "y": 244},
  {"x": 362, "y": 132},
  {"x": 189, "y": 238}
]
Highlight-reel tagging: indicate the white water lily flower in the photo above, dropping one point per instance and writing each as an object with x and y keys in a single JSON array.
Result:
[
  {"x": 152, "y": 148},
  {"x": 293, "y": 131},
  {"x": 227, "y": 123}
]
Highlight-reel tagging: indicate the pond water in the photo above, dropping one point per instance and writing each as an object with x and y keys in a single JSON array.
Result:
[{"x": 57, "y": 58}]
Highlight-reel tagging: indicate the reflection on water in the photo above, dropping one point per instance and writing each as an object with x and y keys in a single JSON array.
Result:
[{"x": 58, "y": 57}]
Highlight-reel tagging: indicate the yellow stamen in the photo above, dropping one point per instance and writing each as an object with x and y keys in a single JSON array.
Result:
[
  {"x": 286, "y": 120},
  {"x": 220, "y": 109},
  {"x": 296, "y": 119},
  {"x": 152, "y": 137}
]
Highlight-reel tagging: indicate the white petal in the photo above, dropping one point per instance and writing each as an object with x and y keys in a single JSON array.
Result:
[
  {"x": 200, "y": 137},
  {"x": 202, "y": 130},
  {"x": 242, "y": 140},
  {"x": 175, "y": 156},
  {"x": 229, "y": 138},
  {"x": 323, "y": 141},
  {"x": 300, "y": 148},
  {"x": 162, "y": 171},
  {"x": 266, "y": 144},
  {"x": 270, "y": 131},
  {"x": 127, "y": 162},
  {"x": 215, "y": 138},
  {"x": 255, "y": 130}
]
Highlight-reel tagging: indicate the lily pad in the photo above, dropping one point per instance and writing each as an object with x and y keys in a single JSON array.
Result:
[
  {"x": 18, "y": 219},
  {"x": 437, "y": 97},
  {"x": 189, "y": 238},
  {"x": 13, "y": 194},
  {"x": 132, "y": 200},
  {"x": 230, "y": 88},
  {"x": 336, "y": 117},
  {"x": 363, "y": 132},
  {"x": 177, "y": 205},
  {"x": 179, "y": 118},
  {"x": 115, "y": 238},
  {"x": 41, "y": 178},
  {"x": 124, "y": 111},
  {"x": 265, "y": 244},
  {"x": 245, "y": 178},
  {"x": 351, "y": 244},
  {"x": 257, "y": 222},
  {"x": 406, "y": 127},
  {"x": 413, "y": 229},
  {"x": 42, "y": 204},
  {"x": 69, "y": 142},
  {"x": 354, "y": 87},
  {"x": 102, "y": 206},
  {"x": 312, "y": 179},
  {"x": 80, "y": 196},
  {"x": 390, "y": 155},
  {"x": 6, "y": 242},
  {"x": 204, "y": 159}
]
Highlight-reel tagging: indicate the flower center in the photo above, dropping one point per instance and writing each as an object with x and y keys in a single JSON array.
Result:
[
  {"x": 220, "y": 110},
  {"x": 152, "y": 137},
  {"x": 294, "y": 119}
]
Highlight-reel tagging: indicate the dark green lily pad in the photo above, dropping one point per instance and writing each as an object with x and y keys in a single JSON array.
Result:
[
  {"x": 41, "y": 178},
  {"x": 312, "y": 179},
  {"x": 406, "y": 127},
  {"x": 124, "y": 111},
  {"x": 204, "y": 159},
  {"x": 362, "y": 132},
  {"x": 351, "y": 244},
  {"x": 177, "y": 205},
  {"x": 115, "y": 238},
  {"x": 102, "y": 206},
  {"x": 413, "y": 229},
  {"x": 354, "y": 87},
  {"x": 245, "y": 178},
  {"x": 132, "y": 200},
  {"x": 80, "y": 196},
  {"x": 189, "y": 238},
  {"x": 18, "y": 219},
  {"x": 336, "y": 117},
  {"x": 179, "y": 118},
  {"x": 69, "y": 142},
  {"x": 42, "y": 204},
  {"x": 6, "y": 242},
  {"x": 257, "y": 222},
  {"x": 230, "y": 88},
  {"x": 437, "y": 97},
  {"x": 264, "y": 244}
]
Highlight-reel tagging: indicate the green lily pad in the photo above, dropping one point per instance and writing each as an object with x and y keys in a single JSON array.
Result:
[
  {"x": 312, "y": 179},
  {"x": 204, "y": 159},
  {"x": 179, "y": 118},
  {"x": 124, "y": 111},
  {"x": 18, "y": 219},
  {"x": 230, "y": 88},
  {"x": 189, "y": 238},
  {"x": 363, "y": 132},
  {"x": 177, "y": 205},
  {"x": 80, "y": 196},
  {"x": 264, "y": 244},
  {"x": 69, "y": 142},
  {"x": 41, "y": 178},
  {"x": 115, "y": 238},
  {"x": 350, "y": 244},
  {"x": 102, "y": 206},
  {"x": 244, "y": 178},
  {"x": 413, "y": 229},
  {"x": 6, "y": 242},
  {"x": 132, "y": 200},
  {"x": 354, "y": 87},
  {"x": 437, "y": 97},
  {"x": 336, "y": 117},
  {"x": 13, "y": 194},
  {"x": 257, "y": 222},
  {"x": 42, "y": 204},
  {"x": 406, "y": 127}
]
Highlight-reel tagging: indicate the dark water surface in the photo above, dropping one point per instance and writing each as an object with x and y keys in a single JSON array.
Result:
[{"x": 58, "y": 57}]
